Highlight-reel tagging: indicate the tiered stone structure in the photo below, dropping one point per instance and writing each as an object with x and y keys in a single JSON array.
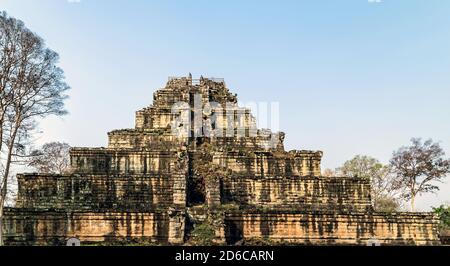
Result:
[{"x": 151, "y": 185}]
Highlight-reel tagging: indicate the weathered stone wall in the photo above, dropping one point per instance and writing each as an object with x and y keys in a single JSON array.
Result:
[
  {"x": 271, "y": 164},
  {"x": 31, "y": 227},
  {"x": 136, "y": 139},
  {"x": 328, "y": 228},
  {"x": 305, "y": 193},
  {"x": 122, "y": 161},
  {"x": 50, "y": 227},
  {"x": 445, "y": 237},
  {"x": 154, "y": 118},
  {"x": 99, "y": 192},
  {"x": 258, "y": 143}
]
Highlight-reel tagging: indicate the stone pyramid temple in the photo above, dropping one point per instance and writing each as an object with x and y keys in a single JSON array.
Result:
[{"x": 195, "y": 170}]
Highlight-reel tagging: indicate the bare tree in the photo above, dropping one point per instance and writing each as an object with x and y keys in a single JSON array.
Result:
[
  {"x": 328, "y": 173},
  {"x": 384, "y": 193},
  {"x": 52, "y": 158},
  {"x": 31, "y": 87},
  {"x": 418, "y": 167}
]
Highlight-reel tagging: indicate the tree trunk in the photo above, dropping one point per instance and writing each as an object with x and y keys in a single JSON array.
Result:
[
  {"x": 4, "y": 188},
  {"x": 1, "y": 134},
  {"x": 375, "y": 203},
  {"x": 2, "y": 121},
  {"x": 413, "y": 199},
  {"x": 413, "y": 193},
  {"x": 3, "y": 193},
  {"x": 1, "y": 222}
]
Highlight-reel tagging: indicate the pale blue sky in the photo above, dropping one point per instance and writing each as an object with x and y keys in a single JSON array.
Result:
[{"x": 351, "y": 76}]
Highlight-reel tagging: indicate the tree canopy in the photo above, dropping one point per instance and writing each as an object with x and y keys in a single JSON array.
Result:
[
  {"x": 52, "y": 158},
  {"x": 419, "y": 167},
  {"x": 32, "y": 86},
  {"x": 383, "y": 192}
]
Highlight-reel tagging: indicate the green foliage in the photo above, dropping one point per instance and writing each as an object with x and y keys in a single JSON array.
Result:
[
  {"x": 205, "y": 168},
  {"x": 444, "y": 215},
  {"x": 364, "y": 167},
  {"x": 387, "y": 204},
  {"x": 203, "y": 234},
  {"x": 384, "y": 189},
  {"x": 261, "y": 242},
  {"x": 228, "y": 207}
]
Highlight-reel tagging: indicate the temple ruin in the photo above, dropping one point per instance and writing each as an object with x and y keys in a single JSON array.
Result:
[{"x": 165, "y": 183}]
